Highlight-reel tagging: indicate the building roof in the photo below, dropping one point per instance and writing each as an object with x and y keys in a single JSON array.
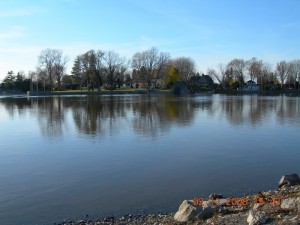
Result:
[{"x": 250, "y": 82}]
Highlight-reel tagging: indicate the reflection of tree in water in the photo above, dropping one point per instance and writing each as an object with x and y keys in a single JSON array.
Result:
[
  {"x": 147, "y": 114},
  {"x": 287, "y": 109},
  {"x": 111, "y": 114},
  {"x": 51, "y": 115},
  {"x": 233, "y": 109},
  {"x": 254, "y": 109},
  {"x": 100, "y": 114},
  {"x": 154, "y": 114},
  {"x": 49, "y": 112},
  {"x": 85, "y": 114},
  {"x": 16, "y": 105}
]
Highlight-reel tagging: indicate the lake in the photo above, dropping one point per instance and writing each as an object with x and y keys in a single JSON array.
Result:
[{"x": 64, "y": 157}]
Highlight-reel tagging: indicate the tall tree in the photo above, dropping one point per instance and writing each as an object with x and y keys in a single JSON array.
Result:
[
  {"x": 50, "y": 61},
  {"x": 282, "y": 71},
  {"x": 59, "y": 69},
  {"x": 220, "y": 75},
  {"x": 149, "y": 64},
  {"x": 115, "y": 66},
  {"x": 267, "y": 76},
  {"x": 9, "y": 80},
  {"x": 185, "y": 67},
  {"x": 89, "y": 70},
  {"x": 42, "y": 77},
  {"x": 77, "y": 71},
  {"x": 293, "y": 73},
  {"x": 19, "y": 79},
  {"x": 238, "y": 68},
  {"x": 254, "y": 67},
  {"x": 99, "y": 68}
]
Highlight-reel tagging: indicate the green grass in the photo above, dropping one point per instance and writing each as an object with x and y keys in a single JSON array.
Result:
[
  {"x": 105, "y": 90},
  {"x": 102, "y": 90},
  {"x": 129, "y": 89}
]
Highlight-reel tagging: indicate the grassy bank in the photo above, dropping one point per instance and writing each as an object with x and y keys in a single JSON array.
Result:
[{"x": 102, "y": 92}]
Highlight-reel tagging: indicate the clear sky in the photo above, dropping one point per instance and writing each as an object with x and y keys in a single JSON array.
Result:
[{"x": 209, "y": 31}]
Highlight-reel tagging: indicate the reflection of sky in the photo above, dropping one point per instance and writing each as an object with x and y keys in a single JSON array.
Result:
[
  {"x": 125, "y": 169},
  {"x": 3, "y": 115}
]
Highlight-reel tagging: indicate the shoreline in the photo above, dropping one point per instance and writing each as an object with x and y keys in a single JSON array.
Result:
[
  {"x": 97, "y": 93},
  {"x": 160, "y": 92},
  {"x": 280, "y": 206}
]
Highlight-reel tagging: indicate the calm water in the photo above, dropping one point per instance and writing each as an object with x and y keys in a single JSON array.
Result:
[{"x": 64, "y": 157}]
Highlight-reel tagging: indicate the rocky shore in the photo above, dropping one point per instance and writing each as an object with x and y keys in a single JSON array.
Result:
[{"x": 281, "y": 206}]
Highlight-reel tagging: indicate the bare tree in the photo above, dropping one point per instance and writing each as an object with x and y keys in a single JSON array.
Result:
[
  {"x": 254, "y": 67},
  {"x": 161, "y": 67},
  {"x": 59, "y": 69},
  {"x": 297, "y": 71},
  {"x": 220, "y": 75},
  {"x": 293, "y": 72},
  {"x": 149, "y": 64},
  {"x": 99, "y": 68},
  {"x": 213, "y": 73},
  {"x": 139, "y": 72},
  {"x": 185, "y": 66},
  {"x": 42, "y": 77},
  {"x": 267, "y": 76},
  {"x": 282, "y": 71},
  {"x": 238, "y": 67},
  {"x": 115, "y": 66},
  {"x": 49, "y": 61}
]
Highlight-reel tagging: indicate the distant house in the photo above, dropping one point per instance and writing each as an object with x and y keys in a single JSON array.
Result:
[
  {"x": 203, "y": 80},
  {"x": 127, "y": 84},
  {"x": 250, "y": 86}
]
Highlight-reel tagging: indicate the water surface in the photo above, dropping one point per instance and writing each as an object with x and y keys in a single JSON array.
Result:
[{"x": 64, "y": 157}]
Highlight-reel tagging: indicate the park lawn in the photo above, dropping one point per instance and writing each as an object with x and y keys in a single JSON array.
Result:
[
  {"x": 105, "y": 90},
  {"x": 102, "y": 90}
]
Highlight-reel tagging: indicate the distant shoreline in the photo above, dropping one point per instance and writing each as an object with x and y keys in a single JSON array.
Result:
[
  {"x": 98, "y": 92},
  {"x": 160, "y": 92}
]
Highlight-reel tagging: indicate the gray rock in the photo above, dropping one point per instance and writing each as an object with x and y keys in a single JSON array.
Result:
[
  {"x": 290, "y": 180},
  {"x": 256, "y": 217},
  {"x": 187, "y": 211},
  {"x": 295, "y": 219},
  {"x": 291, "y": 203},
  {"x": 222, "y": 202},
  {"x": 207, "y": 211}
]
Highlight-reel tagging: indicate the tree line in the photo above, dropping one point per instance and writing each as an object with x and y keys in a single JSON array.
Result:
[
  {"x": 234, "y": 74},
  {"x": 96, "y": 68}
]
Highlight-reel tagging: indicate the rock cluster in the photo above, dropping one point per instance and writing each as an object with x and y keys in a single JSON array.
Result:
[{"x": 272, "y": 207}]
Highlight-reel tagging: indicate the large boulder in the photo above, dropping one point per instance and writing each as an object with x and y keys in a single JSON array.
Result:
[
  {"x": 207, "y": 211},
  {"x": 187, "y": 211},
  {"x": 290, "y": 180},
  {"x": 256, "y": 217}
]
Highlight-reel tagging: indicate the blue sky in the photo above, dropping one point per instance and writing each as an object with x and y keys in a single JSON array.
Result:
[{"x": 209, "y": 31}]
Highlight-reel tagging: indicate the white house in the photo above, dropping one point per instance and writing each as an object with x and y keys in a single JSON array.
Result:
[{"x": 250, "y": 86}]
